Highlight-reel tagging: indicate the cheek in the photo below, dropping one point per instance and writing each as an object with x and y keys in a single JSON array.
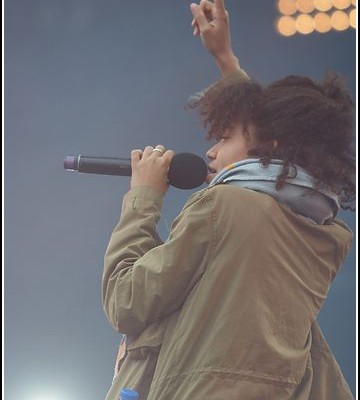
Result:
[{"x": 235, "y": 153}]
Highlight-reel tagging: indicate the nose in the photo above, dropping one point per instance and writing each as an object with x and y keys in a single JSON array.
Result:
[{"x": 211, "y": 153}]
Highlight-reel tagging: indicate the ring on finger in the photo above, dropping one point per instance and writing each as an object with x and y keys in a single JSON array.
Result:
[{"x": 158, "y": 150}]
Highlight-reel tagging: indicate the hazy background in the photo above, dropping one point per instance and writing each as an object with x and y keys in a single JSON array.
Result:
[{"x": 100, "y": 77}]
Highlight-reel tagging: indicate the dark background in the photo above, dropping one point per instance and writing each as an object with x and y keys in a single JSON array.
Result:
[{"x": 100, "y": 77}]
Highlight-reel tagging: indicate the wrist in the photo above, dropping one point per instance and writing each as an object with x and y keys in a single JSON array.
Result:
[
  {"x": 146, "y": 191},
  {"x": 151, "y": 187}
]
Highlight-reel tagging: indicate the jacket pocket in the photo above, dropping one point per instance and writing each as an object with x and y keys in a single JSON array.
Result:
[
  {"x": 148, "y": 342},
  {"x": 137, "y": 360}
]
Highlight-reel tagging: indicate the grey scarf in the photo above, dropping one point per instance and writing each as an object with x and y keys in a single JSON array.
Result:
[{"x": 299, "y": 192}]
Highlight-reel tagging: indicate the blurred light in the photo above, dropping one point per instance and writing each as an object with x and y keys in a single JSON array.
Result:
[
  {"x": 322, "y": 22},
  {"x": 352, "y": 17},
  {"x": 323, "y": 5},
  {"x": 305, "y": 6},
  {"x": 287, "y": 7},
  {"x": 286, "y": 26},
  {"x": 305, "y": 24},
  {"x": 307, "y": 16},
  {"x": 340, "y": 20},
  {"x": 341, "y": 4}
]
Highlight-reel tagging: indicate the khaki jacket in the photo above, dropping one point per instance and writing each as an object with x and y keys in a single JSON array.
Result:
[{"x": 225, "y": 308}]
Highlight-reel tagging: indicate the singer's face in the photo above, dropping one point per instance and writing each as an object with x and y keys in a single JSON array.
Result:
[{"x": 233, "y": 146}]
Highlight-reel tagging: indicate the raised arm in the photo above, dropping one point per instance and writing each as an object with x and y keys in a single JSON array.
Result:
[{"x": 211, "y": 23}]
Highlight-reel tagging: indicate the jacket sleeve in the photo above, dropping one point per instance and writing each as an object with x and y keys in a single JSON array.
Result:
[{"x": 143, "y": 280}]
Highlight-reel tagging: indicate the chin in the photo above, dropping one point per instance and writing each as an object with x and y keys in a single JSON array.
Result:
[{"x": 209, "y": 178}]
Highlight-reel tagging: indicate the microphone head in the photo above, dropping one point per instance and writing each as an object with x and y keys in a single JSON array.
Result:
[{"x": 187, "y": 171}]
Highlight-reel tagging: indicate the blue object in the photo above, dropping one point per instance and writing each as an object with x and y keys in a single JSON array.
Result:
[{"x": 128, "y": 394}]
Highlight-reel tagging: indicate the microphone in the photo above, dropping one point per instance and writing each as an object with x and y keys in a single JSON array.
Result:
[{"x": 187, "y": 170}]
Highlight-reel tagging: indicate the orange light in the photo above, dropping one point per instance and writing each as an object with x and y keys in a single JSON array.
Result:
[
  {"x": 286, "y": 26},
  {"x": 341, "y": 4},
  {"x": 305, "y": 24},
  {"x": 287, "y": 7},
  {"x": 322, "y": 22},
  {"x": 352, "y": 17},
  {"x": 305, "y": 6},
  {"x": 340, "y": 20},
  {"x": 323, "y": 5}
]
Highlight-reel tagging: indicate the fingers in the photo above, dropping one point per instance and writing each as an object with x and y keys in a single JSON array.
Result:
[
  {"x": 196, "y": 28},
  {"x": 199, "y": 16},
  {"x": 136, "y": 155},
  {"x": 147, "y": 151},
  {"x": 220, "y": 9},
  {"x": 150, "y": 167},
  {"x": 206, "y": 13},
  {"x": 150, "y": 151},
  {"x": 208, "y": 9},
  {"x": 168, "y": 156},
  {"x": 159, "y": 150},
  {"x": 156, "y": 151}
]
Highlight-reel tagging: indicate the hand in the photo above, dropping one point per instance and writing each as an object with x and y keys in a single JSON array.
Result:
[
  {"x": 211, "y": 22},
  {"x": 150, "y": 167}
]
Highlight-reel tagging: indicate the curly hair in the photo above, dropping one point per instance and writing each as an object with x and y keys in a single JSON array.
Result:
[{"x": 297, "y": 120}]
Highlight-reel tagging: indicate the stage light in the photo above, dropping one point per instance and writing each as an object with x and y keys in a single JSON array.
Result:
[
  {"x": 287, "y": 7},
  {"x": 305, "y": 6},
  {"x": 339, "y": 20},
  {"x": 305, "y": 24},
  {"x": 323, "y": 5},
  {"x": 307, "y": 16},
  {"x": 352, "y": 18},
  {"x": 322, "y": 22},
  {"x": 286, "y": 25},
  {"x": 341, "y": 4}
]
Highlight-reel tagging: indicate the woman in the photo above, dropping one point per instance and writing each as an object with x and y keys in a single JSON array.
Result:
[{"x": 227, "y": 306}]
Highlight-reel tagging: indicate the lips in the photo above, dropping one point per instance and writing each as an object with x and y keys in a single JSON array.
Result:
[{"x": 211, "y": 170}]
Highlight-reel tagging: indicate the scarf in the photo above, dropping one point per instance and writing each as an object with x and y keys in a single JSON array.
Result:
[{"x": 299, "y": 192}]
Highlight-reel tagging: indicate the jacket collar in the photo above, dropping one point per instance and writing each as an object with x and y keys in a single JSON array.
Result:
[{"x": 299, "y": 192}]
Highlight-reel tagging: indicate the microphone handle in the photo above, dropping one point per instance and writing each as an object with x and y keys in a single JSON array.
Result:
[
  {"x": 103, "y": 165},
  {"x": 187, "y": 170}
]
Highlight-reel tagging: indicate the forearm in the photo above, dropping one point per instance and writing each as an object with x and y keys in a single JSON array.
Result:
[
  {"x": 227, "y": 63},
  {"x": 134, "y": 235}
]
